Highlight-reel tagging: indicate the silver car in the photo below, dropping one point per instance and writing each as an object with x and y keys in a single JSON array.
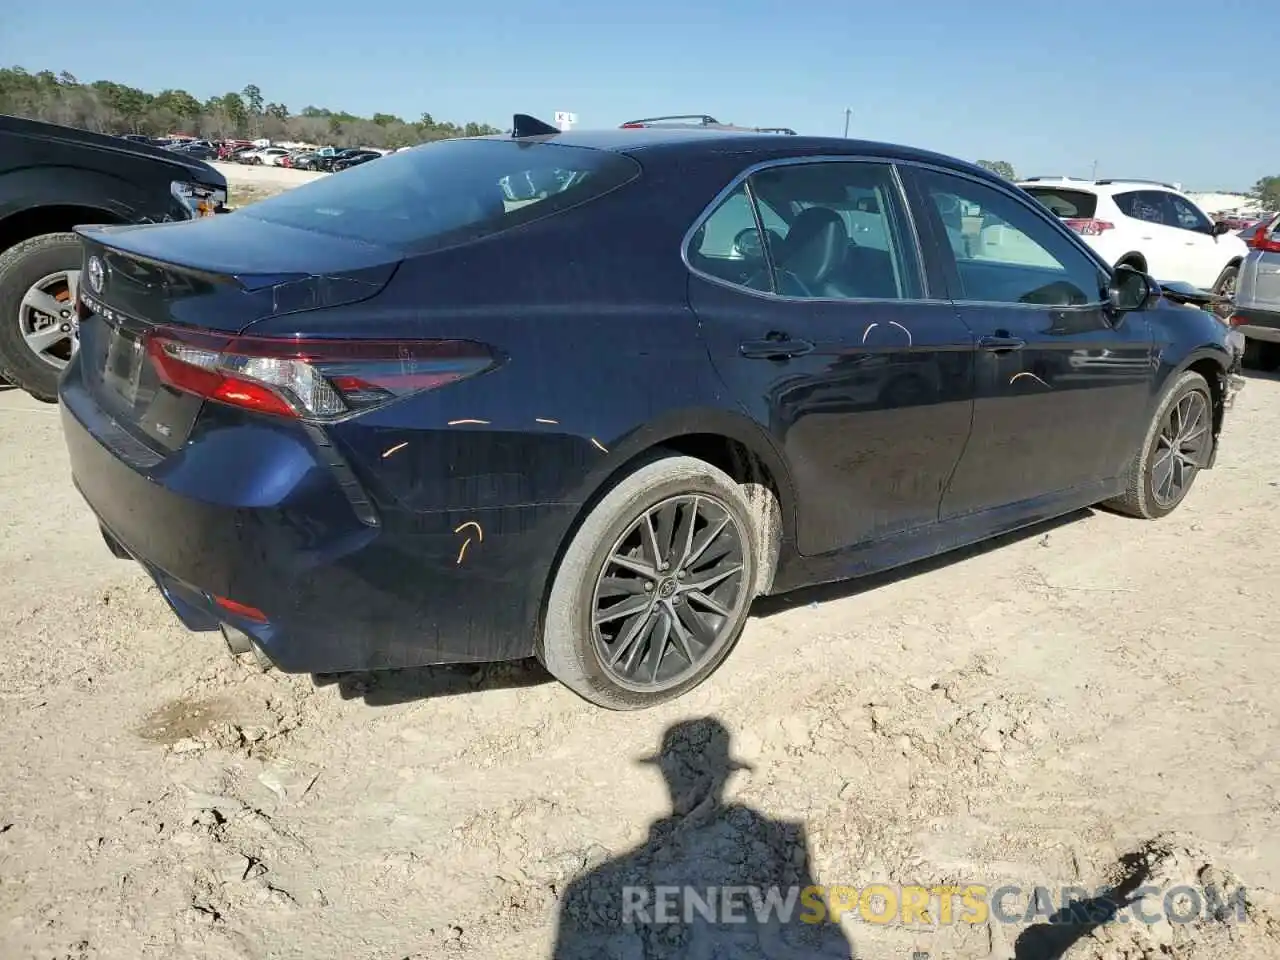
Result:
[{"x": 1257, "y": 298}]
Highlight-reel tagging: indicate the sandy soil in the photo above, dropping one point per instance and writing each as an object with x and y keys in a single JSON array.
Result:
[
  {"x": 246, "y": 184},
  {"x": 1094, "y": 695}
]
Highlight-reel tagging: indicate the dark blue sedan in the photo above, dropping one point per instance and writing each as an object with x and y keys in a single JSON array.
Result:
[{"x": 584, "y": 396}]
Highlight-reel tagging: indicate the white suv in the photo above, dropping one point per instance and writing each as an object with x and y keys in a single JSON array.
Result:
[{"x": 1147, "y": 224}]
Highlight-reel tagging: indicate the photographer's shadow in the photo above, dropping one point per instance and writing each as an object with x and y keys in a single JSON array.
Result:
[{"x": 666, "y": 898}]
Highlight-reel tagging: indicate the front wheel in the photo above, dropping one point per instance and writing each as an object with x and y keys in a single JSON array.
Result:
[
  {"x": 1177, "y": 446},
  {"x": 655, "y": 586},
  {"x": 39, "y": 281}
]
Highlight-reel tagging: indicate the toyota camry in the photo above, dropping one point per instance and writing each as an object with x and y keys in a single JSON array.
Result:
[{"x": 584, "y": 396}]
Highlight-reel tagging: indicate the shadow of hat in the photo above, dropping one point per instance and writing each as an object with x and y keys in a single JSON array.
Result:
[{"x": 703, "y": 742}]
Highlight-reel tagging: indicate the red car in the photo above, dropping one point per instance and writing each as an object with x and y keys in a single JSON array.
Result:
[{"x": 1239, "y": 221}]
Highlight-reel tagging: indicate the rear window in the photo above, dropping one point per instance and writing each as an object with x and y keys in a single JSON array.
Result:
[
  {"x": 1068, "y": 204},
  {"x": 449, "y": 191}
]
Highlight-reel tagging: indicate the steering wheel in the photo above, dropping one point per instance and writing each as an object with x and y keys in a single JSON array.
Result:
[{"x": 747, "y": 244}]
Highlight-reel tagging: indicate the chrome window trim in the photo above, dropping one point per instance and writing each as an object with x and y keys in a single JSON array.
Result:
[{"x": 745, "y": 175}]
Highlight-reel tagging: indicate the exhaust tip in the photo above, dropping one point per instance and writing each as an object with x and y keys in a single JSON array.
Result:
[{"x": 240, "y": 643}]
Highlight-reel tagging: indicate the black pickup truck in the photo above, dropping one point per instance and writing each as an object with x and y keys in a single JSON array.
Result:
[{"x": 53, "y": 178}]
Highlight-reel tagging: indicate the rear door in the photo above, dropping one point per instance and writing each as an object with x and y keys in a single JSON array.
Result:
[
  {"x": 1060, "y": 387},
  {"x": 817, "y": 318},
  {"x": 1153, "y": 227}
]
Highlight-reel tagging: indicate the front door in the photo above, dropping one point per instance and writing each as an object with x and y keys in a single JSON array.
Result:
[
  {"x": 1058, "y": 377},
  {"x": 1203, "y": 259},
  {"x": 1158, "y": 237},
  {"x": 816, "y": 318}
]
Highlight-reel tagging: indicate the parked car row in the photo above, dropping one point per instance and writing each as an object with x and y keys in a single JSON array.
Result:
[
  {"x": 328, "y": 159},
  {"x": 263, "y": 153},
  {"x": 1239, "y": 222}
]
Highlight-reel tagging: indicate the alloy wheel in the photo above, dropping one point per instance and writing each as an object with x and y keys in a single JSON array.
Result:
[
  {"x": 1180, "y": 448},
  {"x": 670, "y": 593},
  {"x": 45, "y": 316}
]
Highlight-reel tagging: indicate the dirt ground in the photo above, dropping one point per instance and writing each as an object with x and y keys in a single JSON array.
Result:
[
  {"x": 1032, "y": 713},
  {"x": 1092, "y": 698},
  {"x": 247, "y": 184}
]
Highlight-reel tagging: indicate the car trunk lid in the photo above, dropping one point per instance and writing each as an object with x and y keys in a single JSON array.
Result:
[{"x": 218, "y": 275}]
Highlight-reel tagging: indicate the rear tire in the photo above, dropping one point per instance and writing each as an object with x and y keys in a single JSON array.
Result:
[
  {"x": 1177, "y": 444},
  {"x": 22, "y": 267},
  {"x": 674, "y": 632}
]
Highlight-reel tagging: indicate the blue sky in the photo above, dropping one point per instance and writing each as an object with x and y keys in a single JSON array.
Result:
[{"x": 1180, "y": 90}]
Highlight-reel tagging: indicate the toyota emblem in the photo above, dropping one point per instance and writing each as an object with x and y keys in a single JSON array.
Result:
[{"x": 97, "y": 274}]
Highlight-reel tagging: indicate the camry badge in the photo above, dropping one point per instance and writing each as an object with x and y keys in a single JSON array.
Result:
[{"x": 97, "y": 274}]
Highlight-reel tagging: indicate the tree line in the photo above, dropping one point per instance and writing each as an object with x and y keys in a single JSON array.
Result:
[{"x": 108, "y": 107}]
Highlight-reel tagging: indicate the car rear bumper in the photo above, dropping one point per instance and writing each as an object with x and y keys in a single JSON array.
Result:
[
  {"x": 1257, "y": 324},
  {"x": 282, "y": 556}
]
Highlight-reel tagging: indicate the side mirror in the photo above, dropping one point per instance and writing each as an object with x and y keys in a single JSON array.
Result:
[
  {"x": 1129, "y": 289},
  {"x": 1220, "y": 228}
]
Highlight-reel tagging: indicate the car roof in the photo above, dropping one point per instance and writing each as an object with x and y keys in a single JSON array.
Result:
[
  {"x": 1101, "y": 186},
  {"x": 711, "y": 141}
]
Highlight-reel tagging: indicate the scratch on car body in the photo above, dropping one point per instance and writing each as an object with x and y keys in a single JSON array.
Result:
[
  {"x": 1026, "y": 373},
  {"x": 462, "y": 551}
]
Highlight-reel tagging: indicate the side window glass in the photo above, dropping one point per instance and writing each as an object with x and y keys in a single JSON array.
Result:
[
  {"x": 1153, "y": 207},
  {"x": 1189, "y": 217},
  {"x": 1128, "y": 204},
  {"x": 842, "y": 231},
  {"x": 728, "y": 245},
  {"x": 1005, "y": 252}
]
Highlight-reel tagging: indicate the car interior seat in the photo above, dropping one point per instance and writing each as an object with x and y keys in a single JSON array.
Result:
[{"x": 814, "y": 252}]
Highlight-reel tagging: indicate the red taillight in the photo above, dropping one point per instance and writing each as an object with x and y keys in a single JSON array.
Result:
[
  {"x": 632, "y": 126},
  {"x": 1265, "y": 241},
  {"x": 308, "y": 379},
  {"x": 1088, "y": 226},
  {"x": 241, "y": 609}
]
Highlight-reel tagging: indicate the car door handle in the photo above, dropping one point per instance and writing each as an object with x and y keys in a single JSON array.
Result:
[
  {"x": 775, "y": 346},
  {"x": 1001, "y": 344}
]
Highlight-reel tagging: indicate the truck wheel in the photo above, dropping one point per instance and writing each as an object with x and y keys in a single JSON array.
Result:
[{"x": 39, "y": 282}]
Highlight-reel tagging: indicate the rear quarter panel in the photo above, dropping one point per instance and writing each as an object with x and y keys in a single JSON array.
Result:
[{"x": 1258, "y": 286}]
